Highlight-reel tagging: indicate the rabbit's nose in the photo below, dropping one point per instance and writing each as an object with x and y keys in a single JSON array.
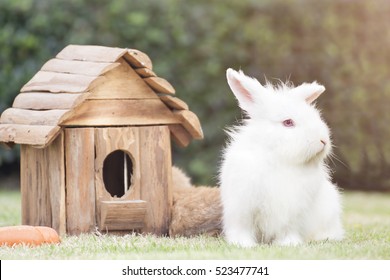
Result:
[{"x": 323, "y": 142}]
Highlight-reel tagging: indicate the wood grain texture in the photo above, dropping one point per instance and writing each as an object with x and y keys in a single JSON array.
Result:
[
  {"x": 180, "y": 135},
  {"x": 35, "y": 195},
  {"x": 47, "y": 101},
  {"x": 122, "y": 83},
  {"x": 55, "y": 164},
  {"x": 37, "y": 136},
  {"x": 173, "y": 102},
  {"x": 156, "y": 178},
  {"x": 80, "y": 180},
  {"x": 138, "y": 59},
  {"x": 32, "y": 117},
  {"x": 60, "y": 82},
  {"x": 122, "y": 215},
  {"x": 109, "y": 139},
  {"x": 190, "y": 122},
  {"x": 42, "y": 180},
  {"x": 145, "y": 72},
  {"x": 123, "y": 112},
  {"x": 87, "y": 68},
  {"x": 160, "y": 85},
  {"x": 91, "y": 53}
]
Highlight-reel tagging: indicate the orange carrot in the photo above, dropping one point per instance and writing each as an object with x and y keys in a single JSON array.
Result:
[
  {"x": 28, "y": 235},
  {"x": 49, "y": 234}
]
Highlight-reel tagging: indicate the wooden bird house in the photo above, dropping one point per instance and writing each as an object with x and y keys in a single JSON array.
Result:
[{"x": 95, "y": 126}]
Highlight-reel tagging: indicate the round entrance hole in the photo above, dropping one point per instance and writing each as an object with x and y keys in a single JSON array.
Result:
[{"x": 117, "y": 173}]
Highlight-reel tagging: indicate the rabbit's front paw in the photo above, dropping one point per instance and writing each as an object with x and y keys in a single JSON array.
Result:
[
  {"x": 242, "y": 239},
  {"x": 291, "y": 239}
]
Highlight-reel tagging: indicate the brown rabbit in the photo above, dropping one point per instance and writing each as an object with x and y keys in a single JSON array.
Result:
[{"x": 195, "y": 210}]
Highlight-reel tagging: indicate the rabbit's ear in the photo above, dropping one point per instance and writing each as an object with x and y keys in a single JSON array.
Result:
[
  {"x": 243, "y": 88},
  {"x": 309, "y": 92}
]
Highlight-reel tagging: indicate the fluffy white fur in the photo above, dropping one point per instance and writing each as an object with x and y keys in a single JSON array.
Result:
[{"x": 275, "y": 186}]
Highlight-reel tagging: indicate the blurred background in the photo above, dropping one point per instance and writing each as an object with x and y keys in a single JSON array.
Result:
[{"x": 343, "y": 44}]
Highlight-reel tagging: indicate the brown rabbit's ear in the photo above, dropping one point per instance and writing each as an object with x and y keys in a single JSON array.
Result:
[
  {"x": 309, "y": 92},
  {"x": 243, "y": 88}
]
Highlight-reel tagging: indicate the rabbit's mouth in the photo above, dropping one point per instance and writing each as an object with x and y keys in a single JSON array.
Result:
[{"x": 320, "y": 155}]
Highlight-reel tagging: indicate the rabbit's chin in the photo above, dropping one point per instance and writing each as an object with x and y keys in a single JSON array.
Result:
[
  {"x": 317, "y": 158},
  {"x": 312, "y": 156},
  {"x": 319, "y": 155}
]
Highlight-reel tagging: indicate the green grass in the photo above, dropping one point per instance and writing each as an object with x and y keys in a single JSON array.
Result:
[
  {"x": 366, "y": 218},
  {"x": 10, "y": 208}
]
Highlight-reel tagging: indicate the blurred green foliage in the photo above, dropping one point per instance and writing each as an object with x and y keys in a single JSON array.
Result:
[{"x": 341, "y": 44}]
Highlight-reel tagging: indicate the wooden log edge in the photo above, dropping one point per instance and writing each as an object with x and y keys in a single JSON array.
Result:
[
  {"x": 138, "y": 59},
  {"x": 180, "y": 135},
  {"x": 160, "y": 85},
  {"x": 190, "y": 122}
]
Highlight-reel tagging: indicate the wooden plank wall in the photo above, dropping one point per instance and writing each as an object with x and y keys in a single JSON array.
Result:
[
  {"x": 74, "y": 211},
  {"x": 80, "y": 180},
  {"x": 56, "y": 182},
  {"x": 122, "y": 215},
  {"x": 42, "y": 180},
  {"x": 156, "y": 177},
  {"x": 107, "y": 140}
]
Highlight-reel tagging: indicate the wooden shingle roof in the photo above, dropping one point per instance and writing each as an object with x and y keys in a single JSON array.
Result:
[{"x": 95, "y": 86}]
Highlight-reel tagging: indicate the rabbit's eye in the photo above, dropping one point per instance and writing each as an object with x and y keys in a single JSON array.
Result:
[{"x": 288, "y": 123}]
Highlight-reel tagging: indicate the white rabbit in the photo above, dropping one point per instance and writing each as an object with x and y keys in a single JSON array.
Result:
[{"x": 275, "y": 185}]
